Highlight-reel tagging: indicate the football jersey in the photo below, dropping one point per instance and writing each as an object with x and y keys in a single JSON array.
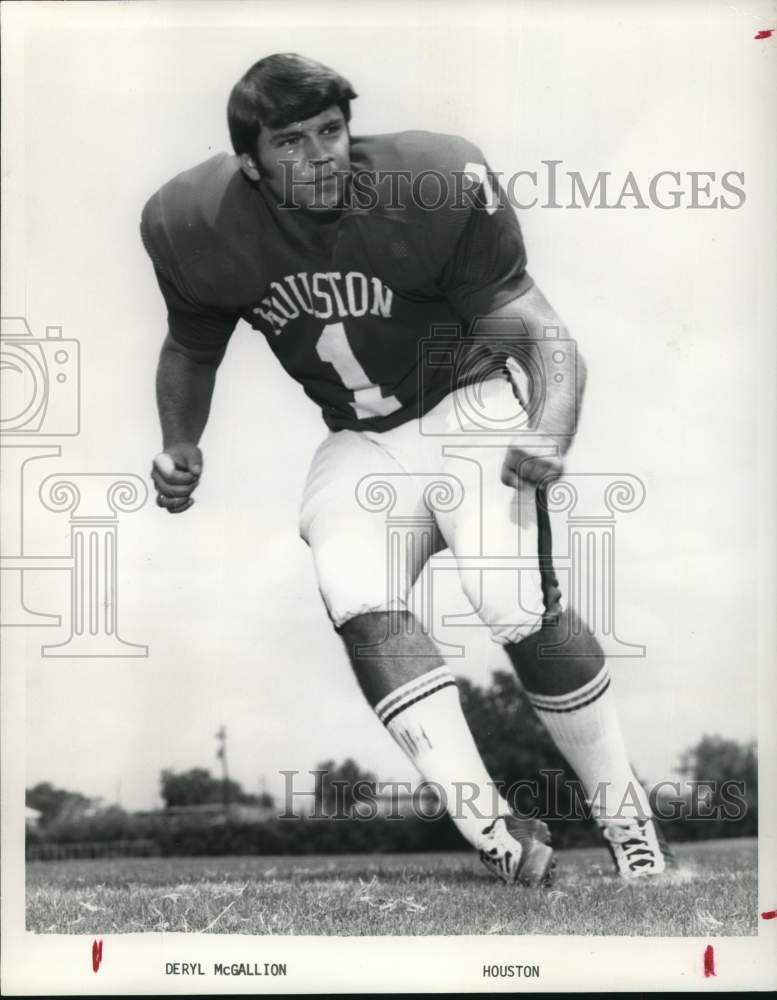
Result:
[{"x": 426, "y": 242}]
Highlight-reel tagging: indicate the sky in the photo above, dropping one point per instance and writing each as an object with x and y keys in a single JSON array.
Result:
[{"x": 669, "y": 307}]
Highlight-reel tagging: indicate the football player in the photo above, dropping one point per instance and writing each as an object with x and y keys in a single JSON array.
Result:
[{"x": 345, "y": 252}]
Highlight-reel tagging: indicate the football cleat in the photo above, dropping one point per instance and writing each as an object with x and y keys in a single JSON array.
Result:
[
  {"x": 637, "y": 846},
  {"x": 518, "y": 851}
]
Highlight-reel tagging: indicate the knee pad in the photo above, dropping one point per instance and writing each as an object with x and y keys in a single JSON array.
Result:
[
  {"x": 366, "y": 626},
  {"x": 579, "y": 659}
]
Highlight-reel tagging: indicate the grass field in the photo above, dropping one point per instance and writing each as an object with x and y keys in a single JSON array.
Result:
[{"x": 714, "y": 893}]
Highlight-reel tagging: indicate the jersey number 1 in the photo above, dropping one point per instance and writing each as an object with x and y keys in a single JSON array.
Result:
[{"x": 368, "y": 400}]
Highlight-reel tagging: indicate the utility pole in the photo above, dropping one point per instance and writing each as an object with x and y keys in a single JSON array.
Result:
[{"x": 221, "y": 753}]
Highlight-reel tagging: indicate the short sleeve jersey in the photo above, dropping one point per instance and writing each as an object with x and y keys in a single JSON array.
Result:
[{"x": 426, "y": 243}]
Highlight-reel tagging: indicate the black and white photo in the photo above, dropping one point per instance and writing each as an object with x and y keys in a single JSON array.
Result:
[{"x": 388, "y": 454}]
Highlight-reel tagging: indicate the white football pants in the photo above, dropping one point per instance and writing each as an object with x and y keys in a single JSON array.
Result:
[{"x": 376, "y": 506}]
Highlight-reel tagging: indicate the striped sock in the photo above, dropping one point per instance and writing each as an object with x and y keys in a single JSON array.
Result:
[
  {"x": 425, "y": 718},
  {"x": 584, "y": 726}
]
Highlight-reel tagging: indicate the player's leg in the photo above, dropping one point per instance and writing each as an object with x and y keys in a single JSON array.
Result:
[
  {"x": 571, "y": 694},
  {"x": 416, "y": 697},
  {"x": 396, "y": 664}
]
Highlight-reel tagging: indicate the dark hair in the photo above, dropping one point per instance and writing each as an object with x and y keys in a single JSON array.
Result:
[{"x": 281, "y": 89}]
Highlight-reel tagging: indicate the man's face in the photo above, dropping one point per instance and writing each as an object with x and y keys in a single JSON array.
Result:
[{"x": 305, "y": 163}]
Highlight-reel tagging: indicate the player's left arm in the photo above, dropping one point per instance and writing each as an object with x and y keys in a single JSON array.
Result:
[
  {"x": 553, "y": 391},
  {"x": 485, "y": 280}
]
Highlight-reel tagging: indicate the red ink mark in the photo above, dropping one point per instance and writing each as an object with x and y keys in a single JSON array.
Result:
[
  {"x": 769, "y": 915},
  {"x": 766, "y": 33},
  {"x": 709, "y": 961},
  {"x": 97, "y": 955}
]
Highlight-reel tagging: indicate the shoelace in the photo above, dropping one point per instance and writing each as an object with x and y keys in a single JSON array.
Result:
[
  {"x": 629, "y": 835},
  {"x": 499, "y": 857}
]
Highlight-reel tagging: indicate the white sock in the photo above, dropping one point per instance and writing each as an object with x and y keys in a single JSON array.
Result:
[
  {"x": 425, "y": 718},
  {"x": 584, "y": 726}
]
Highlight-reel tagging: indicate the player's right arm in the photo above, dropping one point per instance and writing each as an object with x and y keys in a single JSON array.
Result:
[
  {"x": 185, "y": 381},
  {"x": 178, "y": 237}
]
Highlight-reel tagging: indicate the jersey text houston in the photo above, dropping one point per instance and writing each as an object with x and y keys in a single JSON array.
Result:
[{"x": 324, "y": 295}]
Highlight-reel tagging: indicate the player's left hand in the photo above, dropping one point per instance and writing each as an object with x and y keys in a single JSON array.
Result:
[{"x": 521, "y": 467}]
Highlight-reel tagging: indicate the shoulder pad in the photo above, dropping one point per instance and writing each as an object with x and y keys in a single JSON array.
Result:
[
  {"x": 415, "y": 151},
  {"x": 200, "y": 229},
  {"x": 437, "y": 182}
]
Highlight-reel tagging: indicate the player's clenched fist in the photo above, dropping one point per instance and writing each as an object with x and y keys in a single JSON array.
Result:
[
  {"x": 521, "y": 467},
  {"x": 176, "y": 475}
]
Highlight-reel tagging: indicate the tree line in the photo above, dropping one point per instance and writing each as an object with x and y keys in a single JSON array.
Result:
[{"x": 516, "y": 750}]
